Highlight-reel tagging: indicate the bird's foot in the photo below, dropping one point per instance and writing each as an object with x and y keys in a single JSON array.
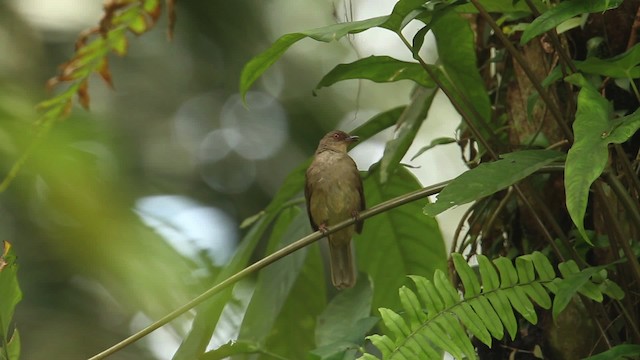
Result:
[
  {"x": 323, "y": 229},
  {"x": 356, "y": 216}
]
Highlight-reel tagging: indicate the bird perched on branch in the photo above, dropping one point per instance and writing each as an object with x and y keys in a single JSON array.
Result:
[{"x": 333, "y": 192}]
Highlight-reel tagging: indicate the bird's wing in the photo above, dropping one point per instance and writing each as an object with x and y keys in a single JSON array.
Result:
[{"x": 307, "y": 197}]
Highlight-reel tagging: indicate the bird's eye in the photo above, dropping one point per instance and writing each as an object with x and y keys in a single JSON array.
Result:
[{"x": 336, "y": 136}]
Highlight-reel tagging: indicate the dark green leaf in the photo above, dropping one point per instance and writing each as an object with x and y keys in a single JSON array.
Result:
[
  {"x": 397, "y": 242},
  {"x": 400, "y": 15},
  {"x": 489, "y": 178},
  {"x": 624, "y": 65},
  {"x": 562, "y": 12},
  {"x": 458, "y": 68},
  {"x": 339, "y": 320},
  {"x": 568, "y": 287},
  {"x": 408, "y": 125},
  {"x": 378, "y": 123},
  {"x": 259, "y": 64},
  {"x": 379, "y": 69},
  {"x": 276, "y": 281},
  {"x": 588, "y": 156},
  {"x": 618, "y": 352},
  {"x": 434, "y": 143},
  {"x": 306, "y": 301},
  {"x": 10, "y": 294},
  {"x": 195, "y": 343},
  {"x": 231, "y": 348},
  {"x": 501, "y": 6}
]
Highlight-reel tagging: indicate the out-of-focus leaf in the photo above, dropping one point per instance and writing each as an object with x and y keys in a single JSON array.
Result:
[
  {"x": 501, "y": 6},
  {"x": 408, "y": 125},
  {"x": 435, "y": 142},
  {"x": 259, "y": 64},
  {"x": 339, "y": 320},
  {"x": 13, "y": 347},
  {"x": 458, "y": 68},
  {"x": 292, "y": 335},
  {"x": 229, "y": 349},
  {"x": 379, "y": 69},
  {"x": 10, "y": 295},
  {"x": 492, "y": 177},
  {"x": 195, "y": 343},
  {"x": 587, "y": 158},
  {"x": 275, "y": 281},
  {"x": 398, "y": 242},
  {"x": 378, "y": 123},
  {"x": 618, "y": 352},
  {"x": 625, "y": 65},
  {"x": 562, "y": 12}
]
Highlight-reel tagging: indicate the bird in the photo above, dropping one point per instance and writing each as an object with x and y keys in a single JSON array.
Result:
[{"x": 333, "y": 193}]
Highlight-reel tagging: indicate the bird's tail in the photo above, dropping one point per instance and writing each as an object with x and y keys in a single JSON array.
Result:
[{"x": 343, "y": 273}]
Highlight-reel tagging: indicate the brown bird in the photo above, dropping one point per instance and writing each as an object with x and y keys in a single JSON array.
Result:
[{"x": 333, "y": 191}]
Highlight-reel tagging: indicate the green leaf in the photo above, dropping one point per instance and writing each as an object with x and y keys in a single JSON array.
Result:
[
  {"x": 458, "y": 67},
  {"x": 195, "y": 343},
  {"x": 490, "y": 178},
  {"x": 467, "y": 275},
  {"x": 618, "y": 352},
  {"x": 9, "y": 298},
  {"x": 259, "y": 64},
  {"x": 229, "y": 349},
  {"x": 588, "y": 156},
  {"x": 408, "y": 125},
  {"x": 275, "y": 281},
  {"x": 624, "y": 65},
  {"x": 397, "y": 242},
  {"x": 501, "y": 6},
  {"x": 435, "y": 142},
  {"x": 341, "y": 319},
  {"x": 562, "y": 12},
  {"x": 399, "y": 17},
  {"x": 306, "y": 301},
  {"x": 568, "y": 287},
  {"x": 379, "y": 69},
  {"x": 378, "y": 123}
]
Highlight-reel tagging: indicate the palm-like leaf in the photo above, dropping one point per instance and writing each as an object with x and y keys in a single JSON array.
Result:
[{"x": 434, "y": 319}]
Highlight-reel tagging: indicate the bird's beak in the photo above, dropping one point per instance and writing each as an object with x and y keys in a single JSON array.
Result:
[{"x": 354, "y": 139}]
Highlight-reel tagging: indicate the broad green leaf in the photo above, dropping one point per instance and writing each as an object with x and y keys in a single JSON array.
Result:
[
  {"x": 508, "y": 274},
  {"x": 457, "y": 67},
  {"x": 379, "y": 69},
  {"x": 490, "y": 178},
  {"x": 589, "y": 289},
  {"x": 562, "y": 12},
  {"x": 400, "y": 15},
  {"x": 502, "y": 307},
  {"x": 306, "y": 301},
  {"x": 588, "y": 156},
  {"x": 618, "y": 352},
  {"x": 14, "y": 346},
  {"x": 195, "y": 343},
  {"x": 276, "y": 281},
  {"x": 490, "y": 319},
  {"x": 383, "y": 343},
  {"x": 397, "y": 242},
  {"x": 259, "y": 64},
  {"x": 229, "y": 349},
  {"x": 10, "y": 296},
  {"x": 378, "y": 123},
  {"x": 501, "y": 6},
  {"x": 339, "y": 322},
  {"x": 488, "y": 274},
  {"x": 625, "y": 65},
  {"x": 435, "y": 142},
  {"x": 408, "y": 125}
]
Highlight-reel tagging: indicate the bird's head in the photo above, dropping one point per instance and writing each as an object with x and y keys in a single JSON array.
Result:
[{"x": 337, "y": 141}]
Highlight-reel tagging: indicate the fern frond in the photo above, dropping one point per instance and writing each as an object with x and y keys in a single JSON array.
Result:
[{"x": 434, "y": 320}]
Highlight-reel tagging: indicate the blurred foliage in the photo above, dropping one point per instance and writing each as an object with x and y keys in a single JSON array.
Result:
[{"x": 94, "y": 255}]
